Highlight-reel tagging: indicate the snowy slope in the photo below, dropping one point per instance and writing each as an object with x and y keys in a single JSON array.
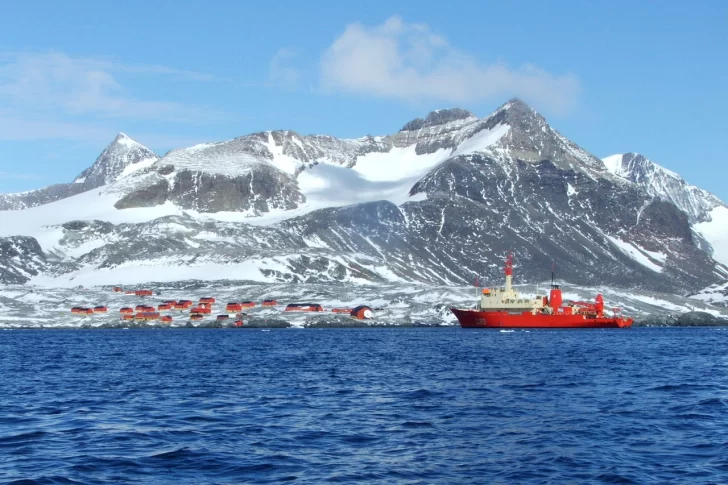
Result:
[{"x": 715, "y": 231}]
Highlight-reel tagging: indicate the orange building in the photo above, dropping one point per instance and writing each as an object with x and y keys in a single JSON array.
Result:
[{"x": 304, "y": 307}]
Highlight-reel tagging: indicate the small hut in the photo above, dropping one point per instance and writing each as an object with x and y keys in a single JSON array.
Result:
[
  {"x": 233, "y": 307},
  {"x": 183, "y": 304},
  {"x": 147, "y": 316},
  {"x": 269, "y": 303},
  {"x": 304, "y": 307},
  {"x": 362, "y": 312}
]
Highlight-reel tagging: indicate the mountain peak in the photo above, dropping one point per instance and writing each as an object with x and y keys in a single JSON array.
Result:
[
  {"x": 662, "y": 183},
  {"x": 516, "y": 103},
  {"x": 518, "y": 112},
  {"x": 114, "y": 160},
  {"x": 124, "y": 139},
  {"x": 438, "y": 117}
]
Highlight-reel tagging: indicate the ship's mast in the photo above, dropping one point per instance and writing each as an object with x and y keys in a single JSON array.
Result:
[{"x": 508, "y": 270}]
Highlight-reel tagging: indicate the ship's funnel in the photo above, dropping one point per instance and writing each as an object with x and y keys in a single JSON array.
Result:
[
  {"x": 555, "y": 297},
  {"x": 599, "y": 307}
]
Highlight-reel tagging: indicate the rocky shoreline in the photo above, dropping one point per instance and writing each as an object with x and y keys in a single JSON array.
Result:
[{"x": 688, "y": 319}]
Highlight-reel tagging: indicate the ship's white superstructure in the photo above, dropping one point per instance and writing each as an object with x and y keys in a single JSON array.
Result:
[{"x": 505, "y": 298}]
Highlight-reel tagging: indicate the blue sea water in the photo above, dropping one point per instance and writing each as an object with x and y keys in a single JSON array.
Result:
[{"x": 393, "y": 405}]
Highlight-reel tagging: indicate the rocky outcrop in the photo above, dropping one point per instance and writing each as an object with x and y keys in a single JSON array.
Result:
[
  {"x": 699, "y": 319},
  {"x": 156, "y": 193},
  {"x": 439, "y": 117},
  {"x": 687, "y": 319},
  {"x": 258, "y": 191},
  {"x": 20, "y": 259},
  {"x": 664, "y": 219}
]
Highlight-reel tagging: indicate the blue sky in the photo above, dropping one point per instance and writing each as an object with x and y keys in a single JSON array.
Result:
[{"x": 612, "y": 76}]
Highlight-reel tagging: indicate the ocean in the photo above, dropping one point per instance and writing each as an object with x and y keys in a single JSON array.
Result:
[{"x": 372, "y": 405}]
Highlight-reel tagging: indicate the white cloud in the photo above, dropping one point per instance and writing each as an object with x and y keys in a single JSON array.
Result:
[
  {"x": 409, "y": 61},
  {"x": 280, "y": 69},
  {"x": 53, "y": 86}
]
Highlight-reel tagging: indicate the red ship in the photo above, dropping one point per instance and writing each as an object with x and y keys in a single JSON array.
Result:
[{"x": 504, "y": 308}]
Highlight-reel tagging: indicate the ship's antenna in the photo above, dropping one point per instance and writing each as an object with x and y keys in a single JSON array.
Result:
[{"x": 553, "y": 270}]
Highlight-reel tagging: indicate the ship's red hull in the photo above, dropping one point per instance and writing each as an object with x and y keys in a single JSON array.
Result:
[{"x": 476, "y": 319}]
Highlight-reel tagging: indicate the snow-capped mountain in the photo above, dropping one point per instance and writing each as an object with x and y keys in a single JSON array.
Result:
[
  {"x": 120, "y": 158},
  {"x": 707, "y": 214},
  {"x": 662, "y": 183},
  {"x": 438, "y": 202}
]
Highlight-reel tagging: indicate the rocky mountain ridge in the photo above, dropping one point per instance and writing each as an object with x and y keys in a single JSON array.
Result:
[
  {"x": 450, "y": 194},
  {"x": 121, "y": 157},
  {"x": 664, "y": 184}
]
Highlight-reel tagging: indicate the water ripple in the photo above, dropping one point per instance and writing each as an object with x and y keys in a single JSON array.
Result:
[{"x": 364, "y": 406}]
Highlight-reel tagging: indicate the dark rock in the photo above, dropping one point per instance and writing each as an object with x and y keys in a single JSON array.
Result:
[
  {"x": 21, "y": 257},
  {"x": 266, "y": 323},
  {"x": 337, "y": 323},
  {"x": 663, "y": 218},
  {"x": 439, "y": 117},
  {"x": 165, "y": 169},
  {"x": 656, "y": 320},
  {"x": 698, "y": 319},
  {"x": 261, "y": 190},
  {"x": 148, "y": 196}
]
